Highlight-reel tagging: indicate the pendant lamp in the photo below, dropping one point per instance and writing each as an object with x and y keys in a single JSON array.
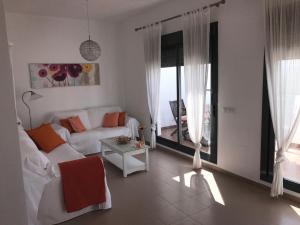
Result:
[{"x": 89, "y": 49}]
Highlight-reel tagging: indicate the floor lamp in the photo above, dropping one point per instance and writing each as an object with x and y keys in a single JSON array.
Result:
[{"x": 33, "y": 96}]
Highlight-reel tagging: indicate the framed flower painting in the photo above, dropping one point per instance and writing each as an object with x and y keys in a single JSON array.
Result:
[{"x": 63, "y": 75}]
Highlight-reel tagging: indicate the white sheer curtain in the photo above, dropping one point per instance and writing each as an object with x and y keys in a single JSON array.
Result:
[
  {"x": 283, "y": 75},
  {"x": 196, "y": 63},
  {"x": 152, "y": 51}
]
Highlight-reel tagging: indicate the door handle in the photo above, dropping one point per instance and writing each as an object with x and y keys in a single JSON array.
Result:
[{"x": 214, "y": 109}]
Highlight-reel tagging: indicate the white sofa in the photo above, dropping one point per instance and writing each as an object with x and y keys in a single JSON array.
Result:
[
  {"x": 88, "y": 142},
  {"x": 43, "y": 184}
]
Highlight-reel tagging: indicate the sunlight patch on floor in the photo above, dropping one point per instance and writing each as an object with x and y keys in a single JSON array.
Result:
[
  {"x": 188, "y": 177},
  {"x": 177, "y": 178},
  {"x": 213, "y": 186},
  {"x": 296, "y": 209},
  {"x": 210, "y": 179}
]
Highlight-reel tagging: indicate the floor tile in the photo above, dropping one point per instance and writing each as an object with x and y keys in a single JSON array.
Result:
[
  {"x": 193, "y": 205},
  {"x": 168, "y": 214},
  {"x": 187, "y": 221}
]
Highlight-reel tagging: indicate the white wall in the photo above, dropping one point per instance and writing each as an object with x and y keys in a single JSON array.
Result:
[
  {"x": 12, "y": 200},
  {"x": 168, "y": 92},
  {"x": 241, "y": 49},
  {"x": 39, "y": 39}
]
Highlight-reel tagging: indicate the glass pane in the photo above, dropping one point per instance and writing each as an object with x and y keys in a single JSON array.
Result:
[
  {"x": 166, "y": 126},
  {"x": 291, "y": 166},
  {"x": 208, "y": 85},
  {"x": 184, "y": 135},
  {"x": 206, "y": 131}
]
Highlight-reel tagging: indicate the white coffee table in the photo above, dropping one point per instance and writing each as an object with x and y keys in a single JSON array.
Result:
[{"x": 122, "y": 155}]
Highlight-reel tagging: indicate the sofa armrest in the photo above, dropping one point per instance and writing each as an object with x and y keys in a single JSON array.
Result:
[
  {"x": 61, "y": 131},
  {"x": 133, "y": 126}
]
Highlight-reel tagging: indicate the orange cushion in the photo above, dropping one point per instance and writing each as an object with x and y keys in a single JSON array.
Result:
[
  {"x": 45, "y": 137},
  {"x": 66, "y": 124},
  {"x": 76, "y": 124},
  {"x": 122, "y": 118},
  {"x": 110, "y": 119}
]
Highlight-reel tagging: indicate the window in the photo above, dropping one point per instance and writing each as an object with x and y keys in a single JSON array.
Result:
[
  {"x": 291, "y": 166},
  {"x": 172, "y": 120}
]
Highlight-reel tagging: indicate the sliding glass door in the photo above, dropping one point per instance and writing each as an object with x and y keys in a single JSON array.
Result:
[{"x": 172, "y": 120}]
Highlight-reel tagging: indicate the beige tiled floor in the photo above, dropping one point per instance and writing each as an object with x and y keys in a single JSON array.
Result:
[{"x": 172, "y": 194}]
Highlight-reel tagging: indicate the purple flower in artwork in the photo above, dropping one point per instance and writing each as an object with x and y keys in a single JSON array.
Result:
[
  {"x": 43, "y": 73},
  {"x": 60, "y": 75},
  {"x": 74, "y": 70},
  {"x": 64, "y": 67},
  {"x": 53, "y": 67}
]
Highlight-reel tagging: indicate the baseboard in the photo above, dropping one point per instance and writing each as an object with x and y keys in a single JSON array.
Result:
[
  {"x": 169, "y": 127},
  {"x": 263, "y": 185}
]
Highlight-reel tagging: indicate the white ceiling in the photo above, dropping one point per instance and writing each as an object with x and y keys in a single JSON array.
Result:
[{"x": 114, "y": 10}]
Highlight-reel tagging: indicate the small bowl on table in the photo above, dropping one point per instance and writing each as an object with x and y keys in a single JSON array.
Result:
[{"x": 123, "y": 140}]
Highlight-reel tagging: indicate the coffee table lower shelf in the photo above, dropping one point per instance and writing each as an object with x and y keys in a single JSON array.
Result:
[
  {"x": 122, "y": 155},
  {"x": 132, "y": 164}
]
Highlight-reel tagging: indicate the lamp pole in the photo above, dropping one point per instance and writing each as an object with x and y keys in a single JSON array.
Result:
[
  {"x": 33, "y": 96},
  {"x": 23, "y": 100}
]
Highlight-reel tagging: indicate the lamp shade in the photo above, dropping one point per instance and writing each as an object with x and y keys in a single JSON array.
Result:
[
  {"x": 34, "y": 96},
  {"x": 90, "y": 50}
]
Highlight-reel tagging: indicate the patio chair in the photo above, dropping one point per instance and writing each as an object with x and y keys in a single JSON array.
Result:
[{"x": 185, "y": 131}]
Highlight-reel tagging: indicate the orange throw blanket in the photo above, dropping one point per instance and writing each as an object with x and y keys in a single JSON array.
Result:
[{"x": 83, "y": 183}]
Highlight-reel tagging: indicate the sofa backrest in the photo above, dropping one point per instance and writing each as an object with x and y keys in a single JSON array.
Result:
[
  {"x": 90, "y": 117},
  {"x": 96, "y": 114}
]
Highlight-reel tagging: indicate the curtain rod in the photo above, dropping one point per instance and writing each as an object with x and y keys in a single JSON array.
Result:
[{"x": 216, "y": 4}]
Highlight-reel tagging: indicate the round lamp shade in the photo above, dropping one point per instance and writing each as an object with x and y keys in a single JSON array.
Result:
[{"x": 90, "y": 50}]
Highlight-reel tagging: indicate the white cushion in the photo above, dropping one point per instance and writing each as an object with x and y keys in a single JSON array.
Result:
[
  {"x": 113, "y": 132},
  {"x": 63, "y": 153},
  {"x": 96, "y": 114},
  {"x": 87, "y": 148},
  {"x": 98, "y": 134},
  {"x": 83, "y": 115},
  {"x": 61, "y": 131},
  {"x": 30, "y": 152}
]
